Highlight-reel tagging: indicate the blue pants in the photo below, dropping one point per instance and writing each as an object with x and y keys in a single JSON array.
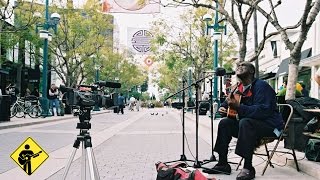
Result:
[
  {"x": 56, "y": 104},
  {"x": 247, "y": 130}
]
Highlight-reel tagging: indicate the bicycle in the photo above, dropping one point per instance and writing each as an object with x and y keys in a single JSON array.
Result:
[{"x": 29, "y": 105}]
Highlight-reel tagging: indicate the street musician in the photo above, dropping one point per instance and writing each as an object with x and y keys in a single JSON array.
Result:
[{"x": 251, "y": 114}]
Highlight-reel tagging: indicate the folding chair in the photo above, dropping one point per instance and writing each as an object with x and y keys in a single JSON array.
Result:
[
  {"x": 286, "y": 111},
  {"x": 282, "y": 136}
]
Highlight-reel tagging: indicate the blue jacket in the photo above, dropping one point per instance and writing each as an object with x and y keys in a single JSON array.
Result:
[
  {"x": 261, "y": 105},
  {"x": 120, "y": 100}
]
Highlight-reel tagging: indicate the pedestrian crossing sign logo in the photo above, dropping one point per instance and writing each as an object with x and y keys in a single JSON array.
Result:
[{"x": 29, "y": 156}]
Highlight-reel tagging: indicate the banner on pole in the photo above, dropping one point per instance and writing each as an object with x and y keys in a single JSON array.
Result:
[
  {"x": 139, "y": 40},
  {"x": 130, "y": 6}
]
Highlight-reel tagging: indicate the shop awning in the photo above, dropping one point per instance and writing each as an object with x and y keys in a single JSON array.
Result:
[
  {"x": 311, "y": 61},
  {"x": 267, "y": 75},
  {"x": 284, "y": 66}
]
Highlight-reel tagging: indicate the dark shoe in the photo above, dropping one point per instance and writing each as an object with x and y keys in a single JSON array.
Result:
[
  {"x": 246, "y": 174},
  {"x": 219, "y": 169}
]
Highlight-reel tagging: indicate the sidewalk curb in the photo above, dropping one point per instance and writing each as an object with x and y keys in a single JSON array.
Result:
[{"x": 22, "y": 124}]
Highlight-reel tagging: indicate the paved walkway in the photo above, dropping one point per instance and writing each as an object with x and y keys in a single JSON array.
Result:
[{"x": 129, "y": 149}]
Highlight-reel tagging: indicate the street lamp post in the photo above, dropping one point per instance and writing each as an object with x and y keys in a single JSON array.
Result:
[
  {"x": 189, "y": 102},
  {"x": 51, "y": 22},
  {"x": 97, "y": 68},
  {"x": 117, "y": 80},
  {"x": 216, "y": 36}
]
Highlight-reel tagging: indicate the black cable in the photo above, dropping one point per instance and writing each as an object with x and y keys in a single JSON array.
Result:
[{"x": 185, "y": 136}]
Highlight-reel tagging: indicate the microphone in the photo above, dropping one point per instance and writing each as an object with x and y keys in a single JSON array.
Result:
[
  {"x": 230, "y": 73},
  {"x": 219, "y": 71},
  {"x": 109, "y": 84}
]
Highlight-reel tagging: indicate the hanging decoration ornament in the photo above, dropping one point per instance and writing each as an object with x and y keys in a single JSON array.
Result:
[{"x": 148, "y": 61}]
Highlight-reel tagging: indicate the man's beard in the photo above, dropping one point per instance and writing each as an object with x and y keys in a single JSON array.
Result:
[{"x": 241, "y": 76}]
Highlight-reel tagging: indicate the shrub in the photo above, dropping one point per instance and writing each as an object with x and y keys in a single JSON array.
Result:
[{"x": 157, "y": 104}]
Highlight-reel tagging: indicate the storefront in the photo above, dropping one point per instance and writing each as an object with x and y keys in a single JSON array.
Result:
[
  {"x": 313, "y": 63},
  {"x": 304, "y": 74}
]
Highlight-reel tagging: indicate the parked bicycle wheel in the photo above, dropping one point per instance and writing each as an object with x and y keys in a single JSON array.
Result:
[
  {"x": 19, "y": 111},
  {"x": 35, "y": 111}
]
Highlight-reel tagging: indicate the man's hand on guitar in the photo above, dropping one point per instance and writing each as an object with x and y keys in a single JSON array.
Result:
[{"x": 233, "y": 102}]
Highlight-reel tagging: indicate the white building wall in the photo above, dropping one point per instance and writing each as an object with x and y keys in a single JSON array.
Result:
[{"x": 268, "y": 63}]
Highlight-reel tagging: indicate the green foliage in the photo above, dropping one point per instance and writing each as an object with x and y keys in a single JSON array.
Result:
[
  {"x": 178, "y": 48},
  {"x": 144, "y": 86},
  {"x": 145, "y": 96},
  {"x": 81, "y": 34},
  {"x": 157, "y": 104}
]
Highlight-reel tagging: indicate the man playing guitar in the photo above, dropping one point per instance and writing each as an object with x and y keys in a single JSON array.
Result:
[{"x": 256, "y": 117}]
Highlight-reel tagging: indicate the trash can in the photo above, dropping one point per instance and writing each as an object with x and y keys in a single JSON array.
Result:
[
  {"x": 296, "y": 139},
  {"x": 5, "y": 101}
]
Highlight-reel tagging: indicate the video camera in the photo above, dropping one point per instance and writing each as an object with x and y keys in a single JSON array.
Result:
[{"x": 83, "y": 95}]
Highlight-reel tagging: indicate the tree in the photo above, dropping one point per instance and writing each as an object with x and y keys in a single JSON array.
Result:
[
  {"x": 238, "y": 17},
  {"x": 311, "y": 10},
  {"x": 192, "y": 47},
  {"x": 131, "y": 75},
  {"x": 81, "y": 34},
  {"x": 238, "y": 14},
  {"x": 16, "y": 20}
]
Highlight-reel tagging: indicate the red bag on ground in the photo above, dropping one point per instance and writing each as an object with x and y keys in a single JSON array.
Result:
[{"x": 176, "y": 172}]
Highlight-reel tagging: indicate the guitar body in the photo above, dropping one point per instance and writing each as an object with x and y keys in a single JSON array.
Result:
[
  {"x": 232, "y": 113},
  {"x": 23, "y": 160}
]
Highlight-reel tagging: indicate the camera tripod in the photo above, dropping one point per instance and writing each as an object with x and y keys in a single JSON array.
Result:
[{"x": 84, "y": 139}]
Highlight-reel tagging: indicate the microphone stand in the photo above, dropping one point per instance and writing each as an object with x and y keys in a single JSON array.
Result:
[
  {"x": 182, "y": 156},
  {"x": 212, "y": 158},
  {"x": 197, "y": 163}
]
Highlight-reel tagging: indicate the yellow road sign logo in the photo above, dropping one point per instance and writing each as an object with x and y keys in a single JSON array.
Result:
[{"x": 29, "y": 156}]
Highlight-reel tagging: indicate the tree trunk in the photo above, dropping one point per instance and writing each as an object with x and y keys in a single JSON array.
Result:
[{"x": 292, "y": 79}]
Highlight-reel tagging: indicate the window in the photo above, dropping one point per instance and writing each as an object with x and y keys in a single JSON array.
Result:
[{"x": 274, "y": 48}]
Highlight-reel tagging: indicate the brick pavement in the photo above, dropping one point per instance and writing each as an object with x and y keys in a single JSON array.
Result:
[{"x": 132, "y": 153}]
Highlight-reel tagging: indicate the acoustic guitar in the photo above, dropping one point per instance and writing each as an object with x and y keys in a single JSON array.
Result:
[
  {"x": 232, "y": 113},
  {"x": 26, "y": 158}
]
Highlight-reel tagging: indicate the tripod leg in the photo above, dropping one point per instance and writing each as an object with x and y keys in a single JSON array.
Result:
[
  {"x": 83, "y": 163},
  {"x": 91, "y": 165},
  {"x": 95, "y": 166},
  {"x": 69, "y": 164}
]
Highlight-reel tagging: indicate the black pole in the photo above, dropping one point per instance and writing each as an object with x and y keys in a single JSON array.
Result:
[
  {"x": 212, "y": 158},
  {"x": 183, "y": 156},
  {"x": 197, "y": 163}
]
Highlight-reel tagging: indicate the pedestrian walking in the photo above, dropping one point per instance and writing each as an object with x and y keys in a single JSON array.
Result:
[
  {"x": 132, "y": 101},
  {"x": 13, "y": 91},
  {"x": 53, "y": 99},
  {"x": 138, "y": 104},
  {"x": 120, "y": 103}
]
